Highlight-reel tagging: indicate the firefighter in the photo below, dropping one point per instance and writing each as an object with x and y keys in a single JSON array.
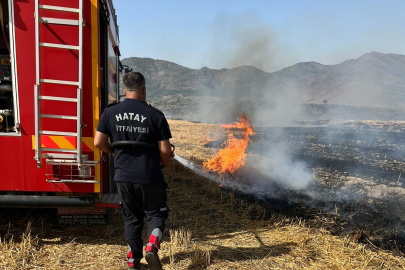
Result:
[{"x": 138, "y": 172}]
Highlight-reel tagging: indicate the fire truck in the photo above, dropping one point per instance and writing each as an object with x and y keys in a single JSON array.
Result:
[{"x": 59, "y": 69}]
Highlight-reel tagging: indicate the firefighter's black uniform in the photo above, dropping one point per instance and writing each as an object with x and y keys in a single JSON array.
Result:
[{"x": 138, "y": 173}]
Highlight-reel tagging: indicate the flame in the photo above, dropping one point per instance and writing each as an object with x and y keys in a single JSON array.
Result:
[
  {"x": 233, "y": 156},
  {"x": 208, "y": 139}
]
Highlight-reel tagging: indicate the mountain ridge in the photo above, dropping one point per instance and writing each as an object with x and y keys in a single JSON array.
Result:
[{"x": 374, "y": 80}]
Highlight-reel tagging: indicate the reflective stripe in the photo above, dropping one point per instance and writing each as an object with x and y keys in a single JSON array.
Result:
[
  {"x": 64, "y": 142},
  {"x": 95, "y": 80},
  {"x": 154, "y": 240},
  {"x": 158, "y": 233},
  {"x": 151, "y": 247}
]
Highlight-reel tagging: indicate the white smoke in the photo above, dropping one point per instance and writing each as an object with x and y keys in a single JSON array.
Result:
[
  {"x": 279, "y": 109},
  {"x": 245, "y": 39},
  {"x": 278, "y": 166}
]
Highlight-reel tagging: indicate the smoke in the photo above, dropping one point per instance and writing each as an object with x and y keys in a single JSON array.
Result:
[
  {"x": 348, "y": 165},
  {"x": 286, "y": 162},
  {"x": 245, "y": 43},
  {"x": 278, "y": 165},
  {"x": 239, "y": 40},
  {"x": 279, "y": 108}
]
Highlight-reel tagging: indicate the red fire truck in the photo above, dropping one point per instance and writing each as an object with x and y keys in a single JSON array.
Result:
[{"x": 59, "y": 68}]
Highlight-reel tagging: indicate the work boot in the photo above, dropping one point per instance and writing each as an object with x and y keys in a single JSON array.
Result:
[
  {"x": 136, "y": 266},
  {"x": 132, "y": 265},
  {"x": 153, "y": 261},
  {"x": 152, "y": 248}
]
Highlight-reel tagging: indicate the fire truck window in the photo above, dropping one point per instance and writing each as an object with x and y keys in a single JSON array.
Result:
[{"x": 7, "y": 121}]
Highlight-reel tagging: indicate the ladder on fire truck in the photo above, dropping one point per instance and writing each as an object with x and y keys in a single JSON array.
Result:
[{"x": 71, "y": 157}]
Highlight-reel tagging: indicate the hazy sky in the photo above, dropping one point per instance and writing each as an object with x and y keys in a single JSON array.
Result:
[{"x": 267, "y": 34}]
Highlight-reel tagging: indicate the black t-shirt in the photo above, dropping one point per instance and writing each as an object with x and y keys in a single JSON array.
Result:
[{"x": 135, "y": 120}]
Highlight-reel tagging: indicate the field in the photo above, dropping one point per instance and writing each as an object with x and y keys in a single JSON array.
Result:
[
  {"x": 353, "y": 170},
  {"x": 212, "y": 226}
]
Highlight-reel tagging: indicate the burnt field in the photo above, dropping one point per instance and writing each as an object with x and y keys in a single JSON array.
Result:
[
  {"x": 352, "y": 172},
  {"x": 290, "y": 207}
]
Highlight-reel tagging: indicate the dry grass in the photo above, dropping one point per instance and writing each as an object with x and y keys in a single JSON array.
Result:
[
  {"x": 190, "y": 138},
  {"x": 208, "y": 228},
  {"x": 20, "y": 254},
  {"x": 227, "y": 232}
]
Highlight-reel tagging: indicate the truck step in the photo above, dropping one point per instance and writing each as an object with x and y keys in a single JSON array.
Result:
[
  {"x": 72, "y": 181},
  {"x": 56, "y": 156},
  {"x": 59, "y": 21},
  {"x": 59, "y": 150},
  {"x": 65, "y": 117},
  {"x": 59, "y": 82},
  {"x": 59, "y": 46},
  {"x": 75, "y": 10},
  {"x": 57, "y": 133},
  {"x": 58, "y": 98},
  {"x": 70, "y": 162}
]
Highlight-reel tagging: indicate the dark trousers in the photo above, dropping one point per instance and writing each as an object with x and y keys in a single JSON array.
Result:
[{"x": 139, "y": 201}]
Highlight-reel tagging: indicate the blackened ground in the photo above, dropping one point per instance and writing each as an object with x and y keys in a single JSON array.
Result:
[{"x": 357, "y": 176}]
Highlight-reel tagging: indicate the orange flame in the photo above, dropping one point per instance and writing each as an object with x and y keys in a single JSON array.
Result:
[
  {"x": 208, "y": 139},
  {"x": 233, "y": 156}
]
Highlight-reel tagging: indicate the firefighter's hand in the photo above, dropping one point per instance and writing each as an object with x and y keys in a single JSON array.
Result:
[{"x": 172, "y": 153}]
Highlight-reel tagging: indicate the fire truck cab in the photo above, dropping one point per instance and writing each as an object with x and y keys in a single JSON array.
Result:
[{"x": 59, "y": 69}]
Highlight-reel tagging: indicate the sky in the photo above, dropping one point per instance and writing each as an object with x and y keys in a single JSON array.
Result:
[{"x": 269, "y": 35}]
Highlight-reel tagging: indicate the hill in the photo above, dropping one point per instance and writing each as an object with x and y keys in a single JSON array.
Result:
[{"x": 372, "y": 81}]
